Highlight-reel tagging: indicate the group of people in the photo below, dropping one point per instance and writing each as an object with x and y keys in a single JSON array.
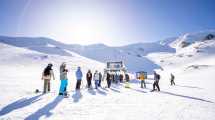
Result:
[
  {"x": 97, "y": 77},
  {"x": 48, "y": 74},
  {"x": 157, "y": 77}
]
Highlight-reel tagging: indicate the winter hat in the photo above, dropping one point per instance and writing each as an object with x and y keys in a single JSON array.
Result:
[{"x": 50, "y": 64}]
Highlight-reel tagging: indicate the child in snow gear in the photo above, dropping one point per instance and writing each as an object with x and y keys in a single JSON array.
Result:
[
  {"x": 108, "y": 78},
  {"x": 89, "y": 78},
  {"x": 142, "y": 78},
  {"x": 96, "y": 79},
  {"x": 46, "y": 76},
  {"x": 172, "y": 79},
  {"x": 156, "y": 82},
  {"x": 79, "y": 78},
  {"x": 63, "y": 79},
  {"x": 100, "y": 79}
]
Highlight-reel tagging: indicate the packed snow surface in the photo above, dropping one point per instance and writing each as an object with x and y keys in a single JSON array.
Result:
[{"x": 192, "y": 98}]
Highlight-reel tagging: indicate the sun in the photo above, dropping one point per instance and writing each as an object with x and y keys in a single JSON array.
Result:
[{"x": 87, "y": 30}]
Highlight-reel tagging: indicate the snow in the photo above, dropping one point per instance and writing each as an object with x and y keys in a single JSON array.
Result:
[
  {"x": 132, "y": 55},
  {"x": 192, "y": 98}
]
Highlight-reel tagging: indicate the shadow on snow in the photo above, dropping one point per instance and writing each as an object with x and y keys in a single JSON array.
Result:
[
  {"x": 185, "y": 96},
  {"x": 138, "y": 90},
  {"x": 101, "y": 92},
  {"x": 21, "y": 103},
  {"x": 115, "y": 90},
  {"x": 45, "y": 110},
  {"x": 77, "y": 96},
  {"x": 188, "y": 86}
]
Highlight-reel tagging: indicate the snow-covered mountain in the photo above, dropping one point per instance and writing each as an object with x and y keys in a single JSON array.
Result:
[
  {"x": 193, "y": 50},
  {"x": 191, "y": 38},
  {"x": 133, "y": 55},
  {"x": 18, "y": 57}
]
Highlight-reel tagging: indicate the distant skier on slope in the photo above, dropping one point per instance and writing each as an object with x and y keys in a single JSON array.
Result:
[
  {"x": 96, "y": 79},
  {"x": 46, "y": 77},
  {"x": 89, "y": 78},
  {"x": 79, "y": 78},
  {"x": 156, "y": 82},
  {"x": 172, "y": 78},
  {"x": 142, "y": 78},
  {"x": 63, "y": 79}
]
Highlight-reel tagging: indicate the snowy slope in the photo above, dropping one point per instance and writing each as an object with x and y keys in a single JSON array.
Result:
[
  {"x": 23, "y": 68},
  {"x": 192, "y": 98},
  {"x": 132, "y": 55}
]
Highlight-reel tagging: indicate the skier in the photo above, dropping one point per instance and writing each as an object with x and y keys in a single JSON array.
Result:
[
  {"x": 142, "y": 78},
  {"x": 116, "y": 78},
  {"x": 89, "y": 78},
  {"x": 113, "y": 78},
  {"x": 63, "y": 79},
  {"x": 79, "y": 78},
  {"x": 100, "y": 79},
  {"x": 46, "y": 76},
  {"x": 156, "y": 82},
  {"x": 108, "y": 78},
  {"x": 172, "y": 79},
  {"x": 127, "y": 77},
  {"x": 121, "y": 78},
  {"x": 96, "y": 79}
]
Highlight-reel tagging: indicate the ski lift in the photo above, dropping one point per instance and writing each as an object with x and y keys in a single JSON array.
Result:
[{"x": 115, "y": 68}]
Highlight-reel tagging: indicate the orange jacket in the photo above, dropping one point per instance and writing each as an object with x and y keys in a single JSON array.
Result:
[{"x": 142, "y": 77}]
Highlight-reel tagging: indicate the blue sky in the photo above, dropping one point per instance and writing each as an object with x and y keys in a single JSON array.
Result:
[{"x": 112, "y": 22}]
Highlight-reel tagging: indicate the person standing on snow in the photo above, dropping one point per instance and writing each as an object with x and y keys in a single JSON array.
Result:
[
  {"x": 127, "y": 77},
  {"x": 156, "y": 82},
  {"x": 108, "y": 78},
  {"x": 121, "y": 78},
  {"x": 46, "y": 76},
  {"x": 172, "y": 78},
  {"x": 63, "y": 79},
  {"x": 96, "y": 79},
  {"x": 79, "y": 78},
  {"x": 142, "y": 78},
  {"x": 100, "y": 79},
  {"x": 89, "y": 78}
]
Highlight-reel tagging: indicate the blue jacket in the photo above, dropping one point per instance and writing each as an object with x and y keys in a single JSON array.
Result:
[{"x": 79, "y": 74}]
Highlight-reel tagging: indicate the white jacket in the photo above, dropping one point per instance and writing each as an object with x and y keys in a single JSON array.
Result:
[{"x": 96, "y": 76}]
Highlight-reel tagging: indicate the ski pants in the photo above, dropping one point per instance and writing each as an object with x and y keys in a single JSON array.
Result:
[
  {"x": 46, "y": 85},
  {"x": 143, "y": 83},
  {"x": 109, "y": 83},
  {"x": 96, "y": 83},
  {"x": 88, "y": 83},
  {"x": 156, "y": 84},
  {"x": 172, "y": 82},
  {"x": 63, "y": 86},
  {"x": 78, "y": 84},
  {"x": 99, "y": 84}
]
